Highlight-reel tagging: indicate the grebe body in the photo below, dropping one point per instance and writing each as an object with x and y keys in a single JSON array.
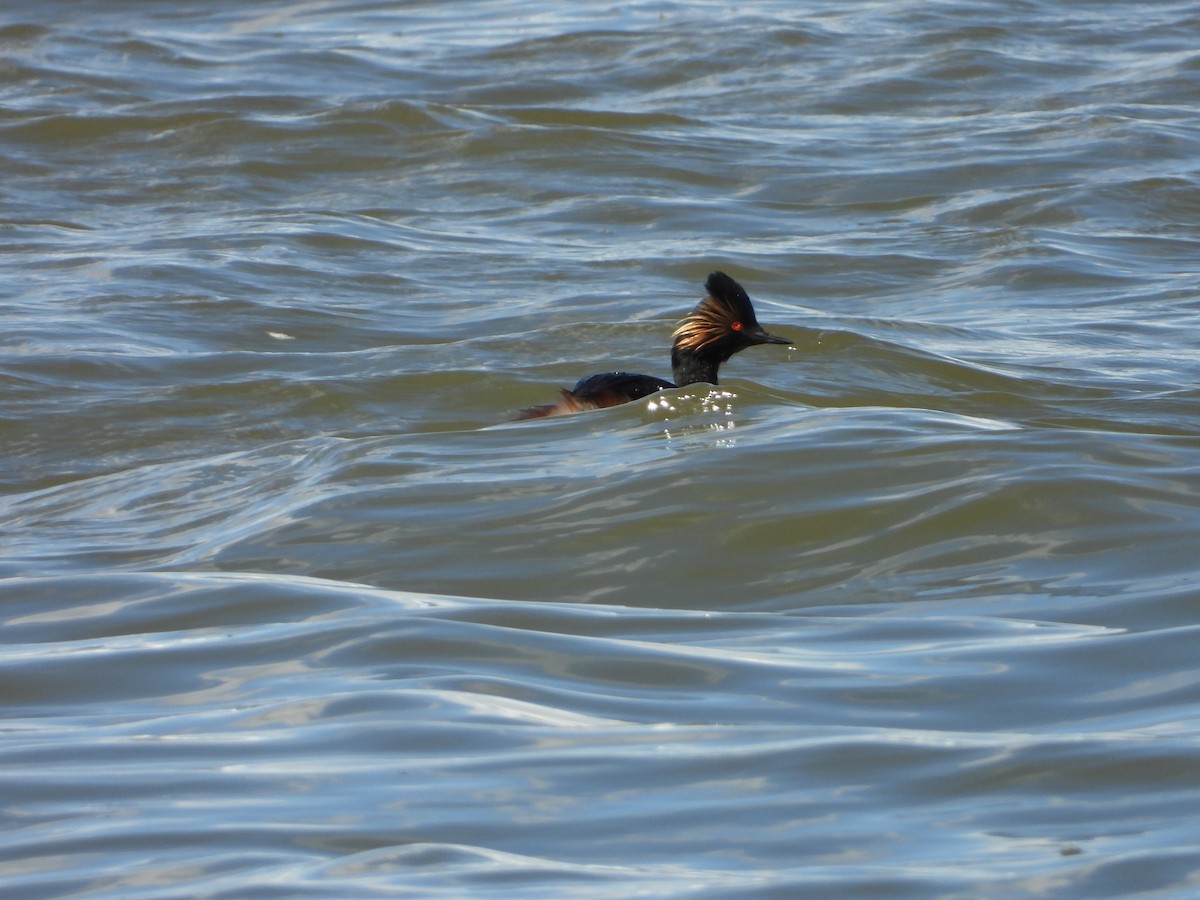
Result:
[{"x": 722, "y": 324}]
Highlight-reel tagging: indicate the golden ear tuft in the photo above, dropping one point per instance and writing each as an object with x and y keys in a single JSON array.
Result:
[{"x": 708, "y": 322}]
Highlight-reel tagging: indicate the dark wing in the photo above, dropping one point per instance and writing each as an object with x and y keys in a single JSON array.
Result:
[
  {"x": 597, "y": 391},
  {"x": 617, "y": 387}
]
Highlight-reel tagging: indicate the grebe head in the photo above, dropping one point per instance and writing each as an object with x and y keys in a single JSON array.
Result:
[{"x": 721, "y": 324}]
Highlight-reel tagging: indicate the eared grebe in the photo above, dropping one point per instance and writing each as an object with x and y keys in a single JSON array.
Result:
[{"x": 721, "y": 324}]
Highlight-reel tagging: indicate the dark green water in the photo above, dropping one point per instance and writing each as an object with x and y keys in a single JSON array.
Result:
[{"x": 292, "y": 608}]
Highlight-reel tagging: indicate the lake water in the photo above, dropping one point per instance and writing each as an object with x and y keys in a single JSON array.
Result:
[{"x": 290, "y": 605}]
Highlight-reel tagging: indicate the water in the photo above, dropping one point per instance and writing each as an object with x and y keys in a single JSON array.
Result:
[{"x": 291, "y": 607}]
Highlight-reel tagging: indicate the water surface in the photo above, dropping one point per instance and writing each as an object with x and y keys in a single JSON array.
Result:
[{"x": 291, "y": 607}]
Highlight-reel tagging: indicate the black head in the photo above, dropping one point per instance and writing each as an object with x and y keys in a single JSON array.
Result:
[{"x": 722, "y": 323}]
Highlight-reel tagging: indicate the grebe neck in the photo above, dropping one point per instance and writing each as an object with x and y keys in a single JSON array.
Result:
[{"x": 690, "y": 368}]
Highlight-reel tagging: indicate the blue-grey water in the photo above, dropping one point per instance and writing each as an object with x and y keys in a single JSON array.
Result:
[{"x": 290, "y": 606}]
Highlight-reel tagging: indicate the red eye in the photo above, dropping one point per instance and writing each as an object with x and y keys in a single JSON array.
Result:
[{"x": 736, "y": 326}]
